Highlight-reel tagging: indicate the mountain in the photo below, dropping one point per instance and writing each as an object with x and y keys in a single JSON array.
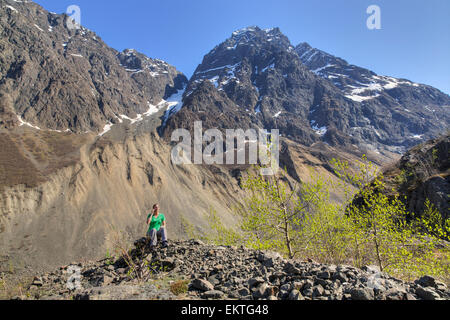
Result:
[
  {"x": 53, "y": 77},
  {"x": 81, "y": 157},
  {"x": 256, "y": 78},
  {"x": 422, "y": 110},
  {"x": 84, "y": 133}
]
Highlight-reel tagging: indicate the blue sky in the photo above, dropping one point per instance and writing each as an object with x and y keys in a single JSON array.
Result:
[{"x": 414, "y": 42}]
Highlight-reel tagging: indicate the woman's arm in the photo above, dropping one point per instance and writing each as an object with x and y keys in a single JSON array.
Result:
[{"x": 149, "y": 219}]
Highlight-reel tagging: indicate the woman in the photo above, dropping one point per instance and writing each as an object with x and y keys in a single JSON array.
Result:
[{"x": 157, "y": 227}]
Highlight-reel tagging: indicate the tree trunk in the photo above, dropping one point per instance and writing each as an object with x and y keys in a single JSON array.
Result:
[{"x": 287, "y": 237}]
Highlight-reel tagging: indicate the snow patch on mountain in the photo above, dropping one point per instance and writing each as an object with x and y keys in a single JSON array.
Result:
[
  {"x": 321, "y": 131},
  {"x": 218, "y": 76},
  {"x": 358, "y": 84},
  {"x": 278, "y": 114},
  {"x": 174, "y": 105},
  {"x": 371, "y": 90},
  {"x": 106, "y": 129},
  {"x": 11, "y": 7},
  {"x": 24, "y": 123}
]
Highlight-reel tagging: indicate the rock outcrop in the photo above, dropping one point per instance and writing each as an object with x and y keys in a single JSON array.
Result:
[
  {"x": 422, "y": 174},
  {"x": 218, "y": 272}
]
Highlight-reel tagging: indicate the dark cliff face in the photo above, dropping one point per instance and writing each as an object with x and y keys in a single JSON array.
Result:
[
  {"x": 57, "y": 78},
  {"x": 310, "y": 96},
  {"x": 423, "y": 173}
]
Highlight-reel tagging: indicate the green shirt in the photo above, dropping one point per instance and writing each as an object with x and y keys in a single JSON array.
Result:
[{"x": 156, "y": 222}]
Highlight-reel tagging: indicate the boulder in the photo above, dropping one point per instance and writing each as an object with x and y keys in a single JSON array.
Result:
[
  {"x": 202, "y": 285},
  {"x": 268, "y": 259},
  {"x": 426, "y": 281},
  {"x": 261, "y": 291},
  {"x": 427, "y": 294},
  {"x": 295, "y": 295},
  {"x": 255, "y": 282},
  {"x": 213, "y": 294},
  {"x": 362, "y": 294}
]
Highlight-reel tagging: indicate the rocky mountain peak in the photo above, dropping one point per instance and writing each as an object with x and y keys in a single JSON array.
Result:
[
  {"x": 241, "y": 60},
  {"x": 137, "y": 62},
  {"x": 420, "y": 110},
  {"x": 312, "y": 96},
  {"x": 247, "y": 42},
  {"x": 256, "y": 36},
  {"x": 79, "y": 83}
]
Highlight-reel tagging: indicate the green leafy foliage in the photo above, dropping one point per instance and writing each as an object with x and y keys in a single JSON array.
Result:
[
  {"x": 301, "y": 220},
  {"x": 432, "y": 222},
  {"x": 220, "y": 235}
]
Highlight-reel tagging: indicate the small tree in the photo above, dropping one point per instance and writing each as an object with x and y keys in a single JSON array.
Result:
[
  {"x": 432, "y": 222},
  {"x": 293, "y": 217},
  {"x": 272, "y": 214},
  {"x": 221, "y": 235},
  {"x": 370, "y": 227},
  {"x": 324, "y": 230}
]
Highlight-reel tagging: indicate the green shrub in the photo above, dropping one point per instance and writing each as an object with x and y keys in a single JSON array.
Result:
[
  {"x": 179, "y": 287},
  {"x": 300, "y": 220}
]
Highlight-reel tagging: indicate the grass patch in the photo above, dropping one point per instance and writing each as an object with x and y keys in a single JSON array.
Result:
[
  {"x": 10, "y": 288},
  {"x": 179, "y": 287}
]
